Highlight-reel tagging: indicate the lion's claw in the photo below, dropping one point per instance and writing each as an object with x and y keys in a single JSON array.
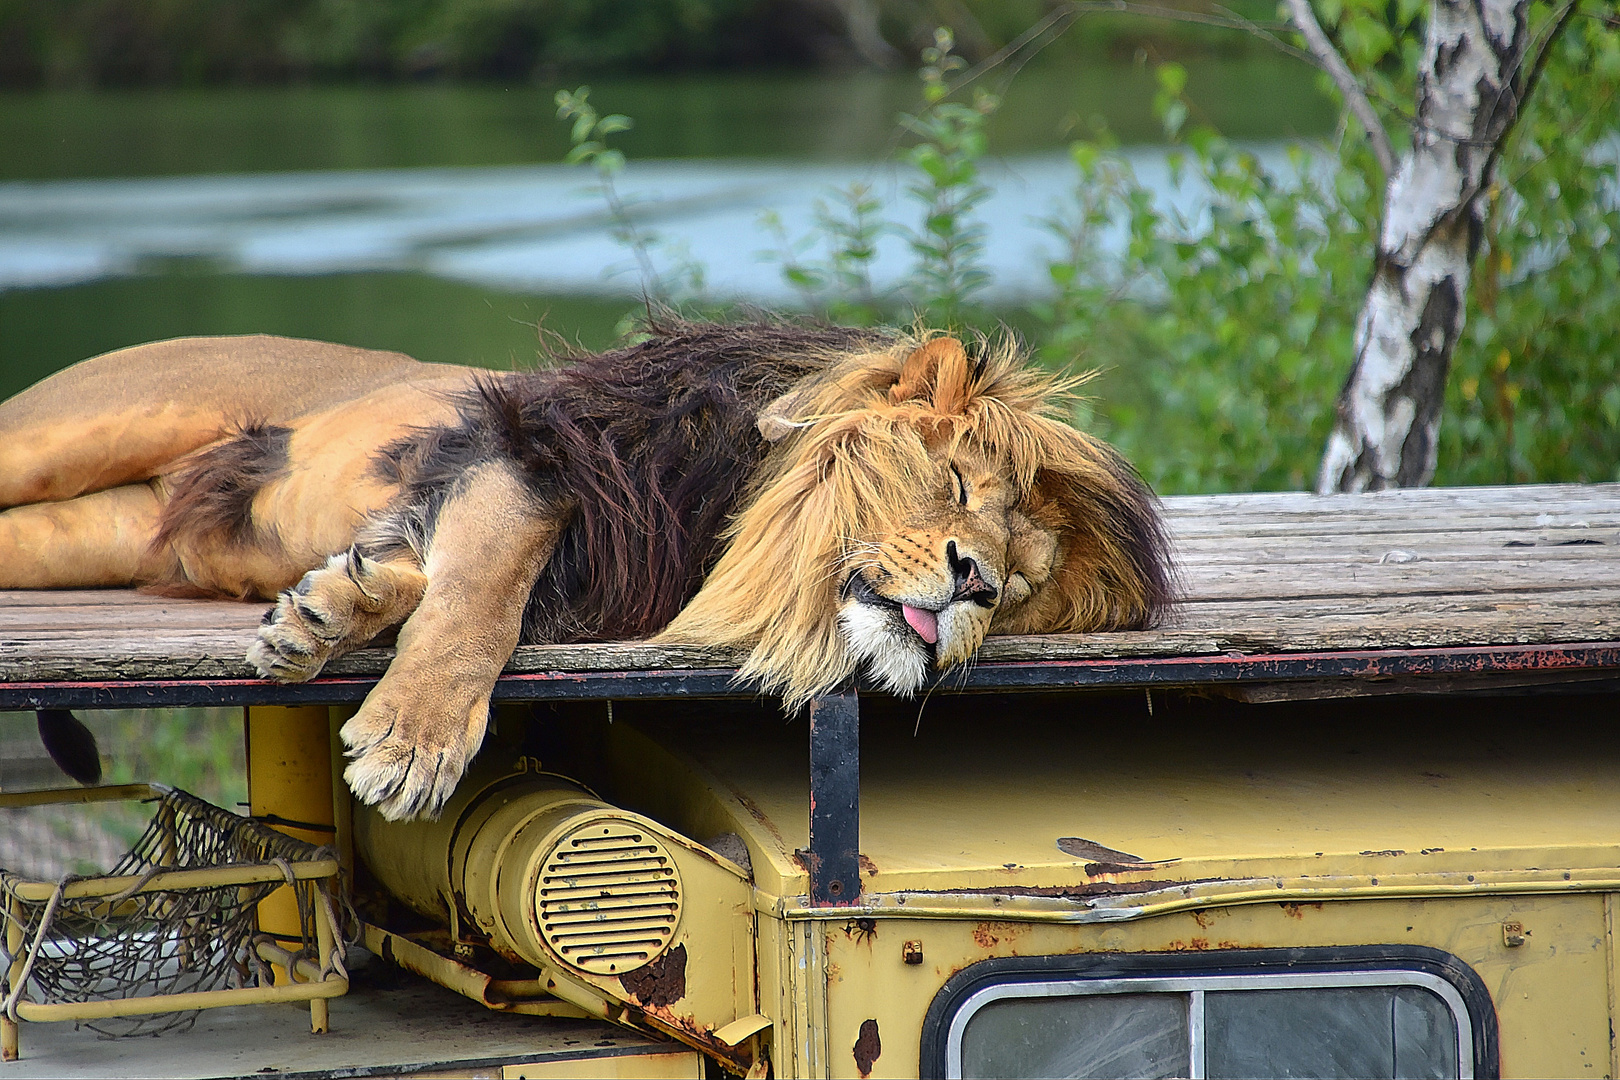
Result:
[{"x": 288, "y": 648}]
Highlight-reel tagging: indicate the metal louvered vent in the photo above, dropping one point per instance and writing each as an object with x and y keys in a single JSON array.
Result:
[{"x": 609, "y": 898}]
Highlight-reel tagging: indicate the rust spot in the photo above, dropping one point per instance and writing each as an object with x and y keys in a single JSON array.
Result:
[
  {"x": 1202, "y": 917},
  {"x": 861, "y": 931},
  {"x": 990, "y": 934},
  {"x": 660, "y": 983},
  {"x": 868, "y": 1047},
  {"x": 758, "y": 815},
  {"x": 1387, "y": 851},
  {"x": 868, "y": 867},
  {"x": 1197, "y": 944},
  {"x": 1297, "y": 910}
]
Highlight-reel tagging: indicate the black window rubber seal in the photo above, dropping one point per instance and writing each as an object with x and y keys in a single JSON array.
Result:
[{"x": 1308, "y": 961}]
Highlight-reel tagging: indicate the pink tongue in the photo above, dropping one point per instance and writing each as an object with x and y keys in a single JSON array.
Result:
[{"x": 925, "y": 622}]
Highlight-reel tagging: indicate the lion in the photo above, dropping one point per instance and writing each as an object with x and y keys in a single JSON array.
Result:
[{"x": 837, "y": 502}]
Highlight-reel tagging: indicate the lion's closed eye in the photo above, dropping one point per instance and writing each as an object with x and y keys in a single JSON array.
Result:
[{"x": 1016, "y": 590}]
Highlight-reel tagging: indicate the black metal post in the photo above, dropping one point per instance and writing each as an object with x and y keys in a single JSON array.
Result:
[{"x": 835, "y": 799}]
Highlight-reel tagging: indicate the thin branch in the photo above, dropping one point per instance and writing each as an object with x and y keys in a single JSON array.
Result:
[
  {"x": 1057, "y": 20},
  {"x": 1354, "y": 96},
  {"x": 1555, "y": 28}
]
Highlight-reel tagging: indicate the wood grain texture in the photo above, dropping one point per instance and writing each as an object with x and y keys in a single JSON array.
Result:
[{"x": 1261, "y": 574}]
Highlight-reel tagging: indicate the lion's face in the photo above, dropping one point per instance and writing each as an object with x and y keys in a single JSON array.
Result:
[
  {"x": 922, "y": 588},
  {"x": 917, "y": 501}
]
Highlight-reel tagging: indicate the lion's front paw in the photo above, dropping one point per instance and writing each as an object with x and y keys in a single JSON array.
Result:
[
  {"x": 295, "y": 640},
  {"x": 409, "y": 753},
  {"x": 332, "y": 610},
  {"x": 298, "y": 635}
]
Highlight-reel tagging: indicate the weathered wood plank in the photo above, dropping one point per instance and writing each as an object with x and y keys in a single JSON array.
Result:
[
  {"x": 1195, "y": 556},
  {"x": 1283, "y": 581},
  {"x": 1559, "y": 498},
  {"x": 1263, "y": 573}
]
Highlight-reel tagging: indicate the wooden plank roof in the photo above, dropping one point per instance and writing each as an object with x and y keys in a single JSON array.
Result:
[{"x": 1519, "y": 574}]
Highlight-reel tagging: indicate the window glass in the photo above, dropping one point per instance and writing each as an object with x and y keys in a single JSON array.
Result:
[
  {"x": 1425, "y": 1036},
  {"x": 1094, "y": 1035},
  {"x": 1372, "y": 1031},
  {"x": 1218, "y": 1026}
]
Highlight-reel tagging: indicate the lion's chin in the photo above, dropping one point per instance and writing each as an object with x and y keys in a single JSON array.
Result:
[{"x": 896, "y": 662}]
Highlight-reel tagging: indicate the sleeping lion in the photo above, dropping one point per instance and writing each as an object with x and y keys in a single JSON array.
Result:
[{"x": 835, "y": 501}]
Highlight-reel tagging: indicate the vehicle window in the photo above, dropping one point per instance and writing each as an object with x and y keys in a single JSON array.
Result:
[
  {"x": 1095, "y": 1035},
  {"x": 1337, "y": 1024},
  {"x": 1365, "y": 1031}
]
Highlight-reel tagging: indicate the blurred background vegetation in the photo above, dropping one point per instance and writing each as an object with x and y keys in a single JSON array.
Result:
[
  {"x": 1222, "y": 335},
  {"x": 126, "y": 43}
]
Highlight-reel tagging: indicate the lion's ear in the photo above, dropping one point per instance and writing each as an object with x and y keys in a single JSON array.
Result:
[
  {"x": 937, "y": 371},
  {"x": 776, "y": 419}
]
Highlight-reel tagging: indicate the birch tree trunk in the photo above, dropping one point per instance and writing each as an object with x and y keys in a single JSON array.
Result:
[{"x": 1468, "y": 96}]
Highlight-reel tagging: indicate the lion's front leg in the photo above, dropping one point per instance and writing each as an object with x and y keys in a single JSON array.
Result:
[
  {"x": 424, "y": 721},
  {"x": 333, "y": 610}
]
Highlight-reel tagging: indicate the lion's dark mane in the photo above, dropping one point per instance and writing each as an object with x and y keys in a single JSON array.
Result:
[{"x": 654, "y": 445}]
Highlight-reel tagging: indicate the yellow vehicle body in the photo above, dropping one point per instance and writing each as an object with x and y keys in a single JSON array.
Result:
[{"x": 1200, "y": 835}]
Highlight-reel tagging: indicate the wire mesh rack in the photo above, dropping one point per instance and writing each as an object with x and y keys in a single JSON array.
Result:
[{"x": 173, "y": 928}]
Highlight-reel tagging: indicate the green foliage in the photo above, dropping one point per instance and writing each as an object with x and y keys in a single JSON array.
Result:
[
  {"x": 682, "y": 280},
  {"x": 949, "y": 247},
  {"x": 1535, "y": 387},
  {"x": 947, "y": 271},
  {"x": 1227, "y": 337},
  {"x": 1230, "y": 332}
]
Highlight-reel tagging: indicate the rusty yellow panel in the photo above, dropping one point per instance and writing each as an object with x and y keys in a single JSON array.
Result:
[
  {"x": 670, "y": 1065},
  {"x": 933, "y": 817},
  {"x": 1551, "y": 992}
]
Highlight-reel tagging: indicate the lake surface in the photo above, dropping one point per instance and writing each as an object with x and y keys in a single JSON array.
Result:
[{"x": 434, "y": 220}]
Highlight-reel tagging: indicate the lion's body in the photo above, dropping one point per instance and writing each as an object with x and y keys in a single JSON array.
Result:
[{"x": 833, "y": 500}]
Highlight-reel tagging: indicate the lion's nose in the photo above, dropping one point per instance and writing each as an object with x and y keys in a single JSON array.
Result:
[{"x": 970, "y": 584}]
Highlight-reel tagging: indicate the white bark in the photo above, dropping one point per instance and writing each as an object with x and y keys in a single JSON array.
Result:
[{"x": 1469, "y": 88}]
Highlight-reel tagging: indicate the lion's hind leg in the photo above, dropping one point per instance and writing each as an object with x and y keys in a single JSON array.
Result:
[
  {"x": 93, "y": 541},
  {"x": 335, "y": 609}
]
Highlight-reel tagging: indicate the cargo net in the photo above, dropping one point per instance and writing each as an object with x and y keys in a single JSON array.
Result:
[{"x": 142, "y": 942}]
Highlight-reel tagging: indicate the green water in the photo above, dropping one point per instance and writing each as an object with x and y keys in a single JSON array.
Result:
[
  {"x": 66, "y": 135},
  {"x": 60, "y": 134}
]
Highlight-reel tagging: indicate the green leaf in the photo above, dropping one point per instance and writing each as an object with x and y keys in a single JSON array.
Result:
[{"x": 1172, "y": 78}]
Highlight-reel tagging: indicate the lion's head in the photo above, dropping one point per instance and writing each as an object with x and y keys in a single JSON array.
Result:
[{"x": 916, "y": 500}]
